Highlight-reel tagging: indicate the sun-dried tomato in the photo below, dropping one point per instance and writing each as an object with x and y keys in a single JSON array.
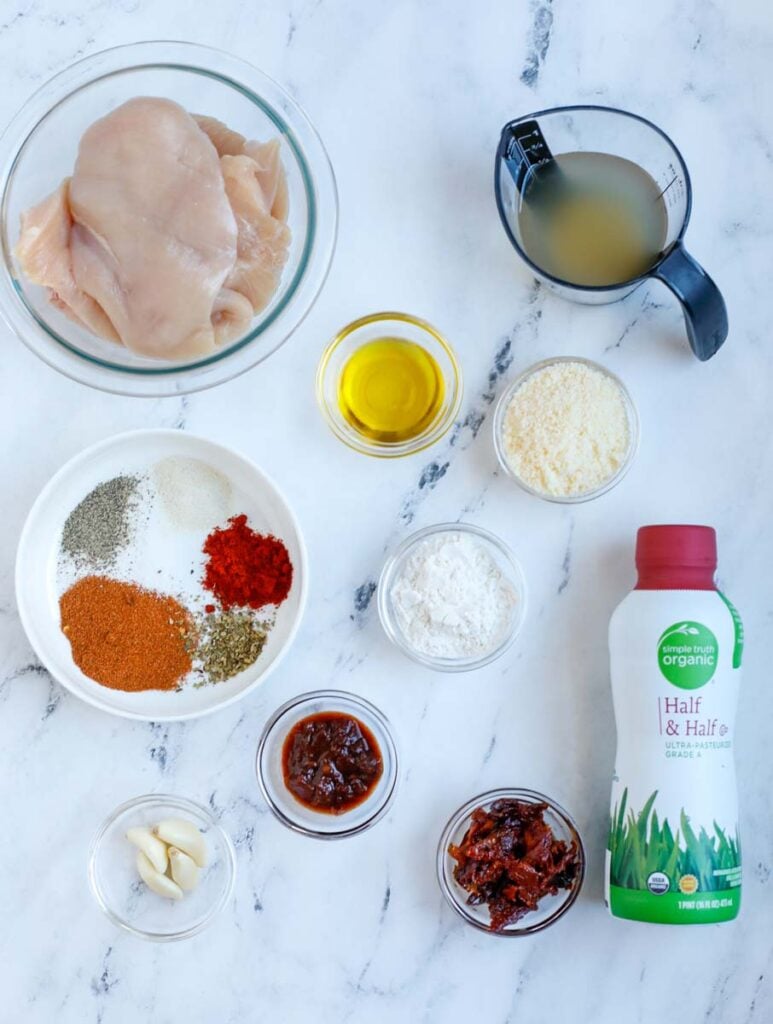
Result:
[{"x": 510, "y": 858}]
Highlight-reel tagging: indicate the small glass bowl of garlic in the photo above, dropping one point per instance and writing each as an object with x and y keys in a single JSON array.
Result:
[{"x": 161, "y": 867}]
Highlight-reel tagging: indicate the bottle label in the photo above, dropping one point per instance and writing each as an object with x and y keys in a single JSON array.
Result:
[
  {"x": 687, "y": 654},
  {"x": 667, "y": 872},
  {"x": 673, "y": 853},
  {"x": 738, "y": 625}
]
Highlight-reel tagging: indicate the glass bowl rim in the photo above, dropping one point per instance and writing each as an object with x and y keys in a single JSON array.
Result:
[
  {"x": 390, "y": 759},
  {"x": 435, "y": 431},
  {"x": 184, "y": 804},
  {"x": 632, "y": 415},
  {"x": 447, "y": 884},
  {"x": 316, "y": 174},
  {"x": 516, "y": 577}
]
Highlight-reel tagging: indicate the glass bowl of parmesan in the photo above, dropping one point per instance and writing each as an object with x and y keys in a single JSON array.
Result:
[
  {"x": 566, "y": 430},
  {"x": 168, "y": 218},
  {"x": 452, "y": 597}
]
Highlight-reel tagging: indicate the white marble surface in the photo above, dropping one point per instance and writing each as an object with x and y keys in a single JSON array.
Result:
[{"x": 409, "y": 98}]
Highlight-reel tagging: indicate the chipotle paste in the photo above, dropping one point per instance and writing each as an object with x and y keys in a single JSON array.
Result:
[
  {"x": 510, "y": 858},
  {"x": 331, "y": 762}
]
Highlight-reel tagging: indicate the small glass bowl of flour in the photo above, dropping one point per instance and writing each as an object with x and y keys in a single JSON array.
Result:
[{"x": 452, "y": 597}]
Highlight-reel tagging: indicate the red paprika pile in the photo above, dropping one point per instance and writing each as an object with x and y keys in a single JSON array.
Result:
[{"x": 246, "y": 568}]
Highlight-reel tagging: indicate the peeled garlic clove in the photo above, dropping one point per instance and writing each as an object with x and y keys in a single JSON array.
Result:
[
  {"x": 155, "y": 880},
  {"x": 150, "y": 845},
  {"x": 185, "y": 836},
  {"x": 183, "y": 868}
]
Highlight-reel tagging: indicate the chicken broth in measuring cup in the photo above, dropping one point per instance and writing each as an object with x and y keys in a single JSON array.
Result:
[{"x": 592, "y": 219}]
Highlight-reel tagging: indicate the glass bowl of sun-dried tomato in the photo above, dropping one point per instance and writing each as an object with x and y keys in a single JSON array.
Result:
[{"x": 511, "y": 862}]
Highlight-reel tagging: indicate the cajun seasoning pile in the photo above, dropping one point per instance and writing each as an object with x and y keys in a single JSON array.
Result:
[
  {"x": 125, "y": 637},
  {"x": 131, "y": 637}
]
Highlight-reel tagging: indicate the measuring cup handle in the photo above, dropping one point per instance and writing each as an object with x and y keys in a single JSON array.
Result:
[{"x": 705, "y": 313}]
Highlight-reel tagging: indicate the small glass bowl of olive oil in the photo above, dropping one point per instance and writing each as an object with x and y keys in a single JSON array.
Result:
[{"x": 389, "y": 384}]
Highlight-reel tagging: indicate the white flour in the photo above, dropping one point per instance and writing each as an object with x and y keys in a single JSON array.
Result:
[{"x": 451, "y": 600}]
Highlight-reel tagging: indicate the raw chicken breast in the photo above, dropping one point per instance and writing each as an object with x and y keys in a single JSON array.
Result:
[
  {"x": 231, "y": 315},
  {"x": 266, "y": 155},
  {"x": 271, "y": 176},
  {"x": 225, "y": 141},
  {"x": 169, "y": 237},
  {"x": 263, "y": 240},
  {"x": 256, "y": 186},
  {"x": 154, "y": 237},
  {"x": 43, "y": 251}
]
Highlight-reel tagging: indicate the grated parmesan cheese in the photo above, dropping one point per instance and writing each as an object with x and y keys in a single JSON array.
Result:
[{"x": 565, "y": 431}]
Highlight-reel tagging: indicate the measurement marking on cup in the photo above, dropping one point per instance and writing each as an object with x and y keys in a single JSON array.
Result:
[{"x": 668, "y": 186}]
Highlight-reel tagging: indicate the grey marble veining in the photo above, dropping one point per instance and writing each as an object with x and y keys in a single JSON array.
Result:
[{"x": 409, "y": 98}]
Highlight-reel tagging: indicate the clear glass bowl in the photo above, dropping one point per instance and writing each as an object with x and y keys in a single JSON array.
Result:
[
  {"x": 39, "y": 147},
  {"x": 550, "y": 908},
  {"x": 633, "y": 431},
  {"x": 507, "y": 564},
  {"x": 371, "y": 328},
  {"x": 290, "y": 811},
  {"x": 124, "y": 897}
]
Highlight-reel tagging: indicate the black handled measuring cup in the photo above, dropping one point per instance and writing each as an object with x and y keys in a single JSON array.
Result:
[{"x": 529, "y": 144}]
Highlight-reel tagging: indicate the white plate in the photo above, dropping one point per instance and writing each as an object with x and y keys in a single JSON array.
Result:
[{"x": 39, "y": 579}]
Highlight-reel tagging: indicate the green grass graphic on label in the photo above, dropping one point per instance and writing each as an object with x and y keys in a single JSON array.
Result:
[
  {"x": 642, "y": 848},
  {"x": 687, "y": 654}
]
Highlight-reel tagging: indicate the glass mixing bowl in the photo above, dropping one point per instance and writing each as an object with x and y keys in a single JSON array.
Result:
[{"x": 38, "y": 150}]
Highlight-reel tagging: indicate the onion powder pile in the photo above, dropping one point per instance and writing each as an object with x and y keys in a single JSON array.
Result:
[{"x": 193, "y": 494}]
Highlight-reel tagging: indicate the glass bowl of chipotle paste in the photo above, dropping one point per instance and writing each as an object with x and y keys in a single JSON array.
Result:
[
  {"x": 327, "y": 764},
  {"x": 511, "y": 862}
]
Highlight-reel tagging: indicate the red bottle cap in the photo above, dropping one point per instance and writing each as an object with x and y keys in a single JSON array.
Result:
[{"x": 676, "y": 557}]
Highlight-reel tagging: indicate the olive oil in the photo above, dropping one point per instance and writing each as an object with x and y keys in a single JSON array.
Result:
[
  {"x": 592, "y": 219},
  {"x": 391, "y": 390}
]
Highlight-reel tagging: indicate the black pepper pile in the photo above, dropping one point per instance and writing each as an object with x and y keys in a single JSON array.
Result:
[{"x": 100, "y": 527}]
